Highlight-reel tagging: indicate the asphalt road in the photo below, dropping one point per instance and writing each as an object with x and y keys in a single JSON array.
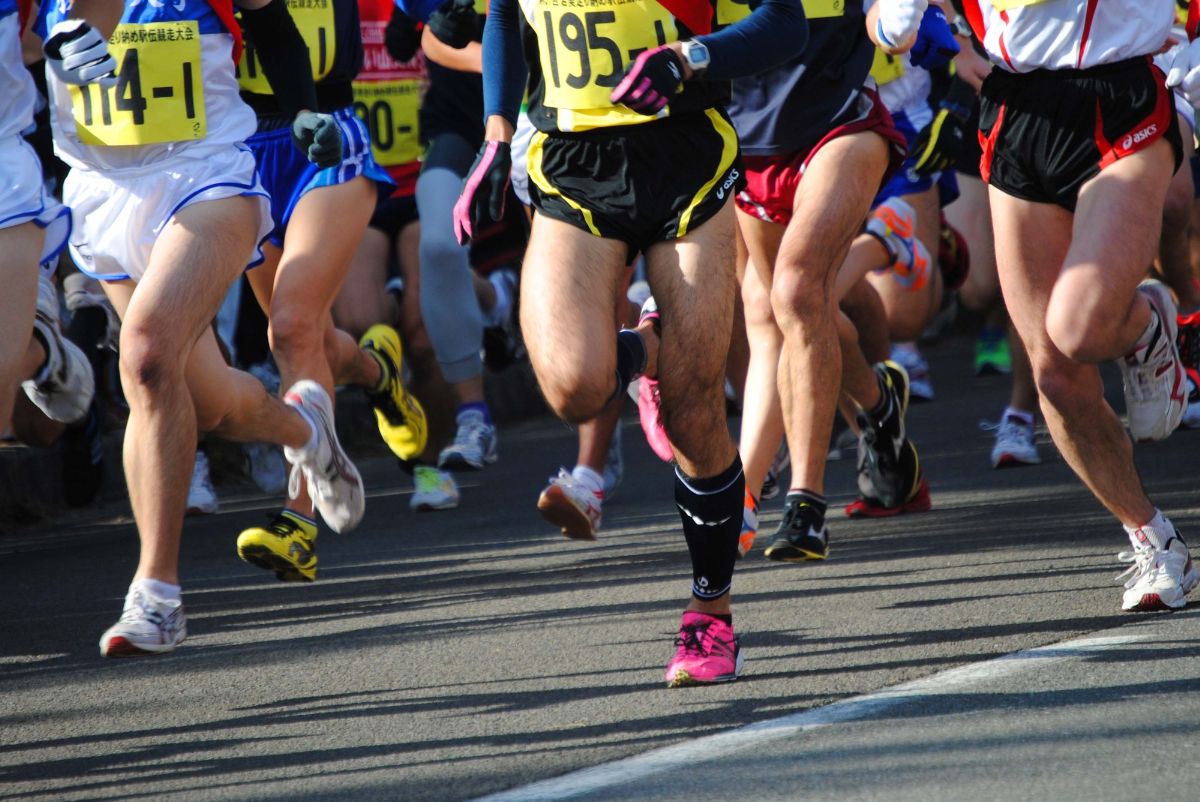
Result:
[{"x": 457, "y": 655}]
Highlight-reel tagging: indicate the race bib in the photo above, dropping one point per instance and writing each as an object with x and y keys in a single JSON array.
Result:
[
  {"x": 730, "y": 11},
  {"x": 389, "y": 110},
  {"x": 314, "y": 18},
  {"x": 886, "y": 68},
  {"x": 1005, "y": 5},
  {"x": 159, "y": 95},
  {"x": 586, "y": 47}
]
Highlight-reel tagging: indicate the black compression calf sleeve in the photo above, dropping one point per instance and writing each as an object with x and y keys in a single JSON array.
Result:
[
  {"x": 631, "y": 359},
  {"x": 284, "y": 56},
  {"x": 711, "y": 511}
]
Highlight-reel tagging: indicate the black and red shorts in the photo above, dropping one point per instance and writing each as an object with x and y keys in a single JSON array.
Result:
[
  {"x": 772, "y": 181},
  {"x": 1045, "y": 133}
]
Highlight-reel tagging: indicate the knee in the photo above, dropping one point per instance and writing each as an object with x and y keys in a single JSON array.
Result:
[
  {"x": 1080, "y": 336},
  {"x": 756, "y": 306},
  {"x": 292, "y": 330},
  {"x": 578, "y": 398},
  {"x": 798, "y": 295},
  {"x": 1063, "y": 384},
  {"x": 148, "y": 363}
]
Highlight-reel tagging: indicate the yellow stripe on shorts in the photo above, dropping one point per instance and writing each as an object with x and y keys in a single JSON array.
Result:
[
  {"x": 728, "y": 154},
  {"x": 538, "y": 177}
]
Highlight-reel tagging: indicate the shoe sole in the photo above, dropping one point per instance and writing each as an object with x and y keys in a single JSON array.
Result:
[
  {"x": 793, "y": 554},
  {"x": 430, "y": 507},
  {"x": 921, "y": 502},
  {"x": 1011, "y": 461},
  {"x": 1152, "y": 602},
  {"x": 285, "y": 571},
  {"x": 123, "y": 647},
  {"x": 559, "y": 511}
]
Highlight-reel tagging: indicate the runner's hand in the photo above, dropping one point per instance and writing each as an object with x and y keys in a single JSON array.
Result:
[
  {"x": 78, "y": 54},
  {"x": 935, "y": 45},
  {"x": 319, "y": 138},
  {"x": 401, "y": 37},
  {"x": 455, "y": 23},
  {"x": 1185, "y": 72},
  {"x": 940, "y": 143},
  {"x": 899, "y": 21},
  {"x": 484, "y": 189},
  {"x": 650, "y": 82}
]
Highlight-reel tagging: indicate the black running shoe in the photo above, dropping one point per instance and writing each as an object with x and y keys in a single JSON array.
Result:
[
  {"x": 882, "y": 473},
  {"x": 82, "y": 460},
  {"x": 801, "y": 536}
]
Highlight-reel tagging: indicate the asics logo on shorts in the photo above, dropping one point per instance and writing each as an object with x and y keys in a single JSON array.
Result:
[
  {"x": 733, "y": 176},
  {"x": 1140, "y": 136}
]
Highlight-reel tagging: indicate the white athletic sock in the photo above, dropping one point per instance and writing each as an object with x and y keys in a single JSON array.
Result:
[
  {"x": 161, "y": 590},
  {"x": 1160, "y": 525},
  {"x": 588, "y": 478}
]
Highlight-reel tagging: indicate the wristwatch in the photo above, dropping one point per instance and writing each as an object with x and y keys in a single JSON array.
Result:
[
  {"x": 961, "y": 27},
  {"x": 695, "y": 55}
]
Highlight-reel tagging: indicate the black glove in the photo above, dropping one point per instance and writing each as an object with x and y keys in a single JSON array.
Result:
[
  {"x": 484, "y": 189},
  {"x": 939, "y": 144},
  {"x": 455, "y": 23},
  {"x": 402, "y": 37},
  {"x": 318, "y": 137},
  {"x": 650, "y": 82}
]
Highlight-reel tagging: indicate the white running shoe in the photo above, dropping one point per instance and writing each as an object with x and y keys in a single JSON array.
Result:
[
  {"x": 1191, "y": 415},
  {"x": 1015, "y": 443},
  {"x": 333, "y": 481},
  {"x": 202, "y": 498},
  {"x": 433, "y": 490},
  {"x": 1161, "y": 574},
  {"x": 474, "y": 445},
  {"x": 1155, "y": 390},
  {"x": 64, "y": 388},
  {"x": 920, "y": 384},
  {"x": 614, "y": 464},
  {"x": 148, "y": 625},
  {"x": 266, "y": 467},
  {"x": 568, "y": 504}
]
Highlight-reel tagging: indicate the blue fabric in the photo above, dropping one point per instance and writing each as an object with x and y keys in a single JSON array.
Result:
[
  {"x": 905, "y": 181},
  {"x": 51, "y": 13},
  {"x": 288, "y": 175},
  {"x": 420, "y": 10},
  {"x": 935, "y": 45}
]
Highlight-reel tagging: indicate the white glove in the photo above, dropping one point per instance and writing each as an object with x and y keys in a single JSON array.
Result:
[
  {"x": 78, "y": 54},
  {"x": 1185, "y": 71},
  {"x": 899, "y": 20}
]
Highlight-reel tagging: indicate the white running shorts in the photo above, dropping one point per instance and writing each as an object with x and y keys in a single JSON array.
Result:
[
  {"x": 119, "y": 215},
  {"x": 23, "y": 198}
]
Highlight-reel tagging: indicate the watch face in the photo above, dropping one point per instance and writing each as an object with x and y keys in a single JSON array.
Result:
[{"x": 697, "y": 55}]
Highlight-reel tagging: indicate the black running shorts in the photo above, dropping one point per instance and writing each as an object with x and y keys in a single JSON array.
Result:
[
  {"x": 1046, "y": 133},
  {"x": 639, "y": 184}
]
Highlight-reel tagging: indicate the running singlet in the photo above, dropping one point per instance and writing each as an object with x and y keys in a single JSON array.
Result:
[
  {"x": 584, "y": 48},
  {"x": 1024, "y": 35},
  {"x": 791, "y": 107},
  {"x": 175, "y": 93},
  {"x": 331, "y": 30},
  {"x": 387, "y": 97},
  {"x": 454, "y": 102},
  {"x": 17, "y": 92}
]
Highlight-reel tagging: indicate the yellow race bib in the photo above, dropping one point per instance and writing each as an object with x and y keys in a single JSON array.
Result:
[
  {"x": 389, "y": 110},
  {"x": 886, "y": 68},
  {"x": 314, "y": 18},
  {"x": 586, "y": 46},
  {"x": 730, "y": 11},
  {"x": 1005, "y": 5},
  {"x": 159, "y": 95}
]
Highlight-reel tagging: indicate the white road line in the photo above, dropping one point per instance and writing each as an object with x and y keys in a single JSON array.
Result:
[{"x": 857, "y": 708}]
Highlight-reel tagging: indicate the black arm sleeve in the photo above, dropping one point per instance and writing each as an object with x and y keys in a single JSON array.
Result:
[
  {"x": 283, "y": 55},
  {"x": 773, "y": 33},
  {"x": 504, "y": 70}
]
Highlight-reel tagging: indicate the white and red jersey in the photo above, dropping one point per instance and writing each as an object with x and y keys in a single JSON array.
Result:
[{"x": 1025, "y": 35}]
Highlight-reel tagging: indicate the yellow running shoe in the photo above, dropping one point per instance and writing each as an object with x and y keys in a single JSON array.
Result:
[
  {"x": 286, "y": 546},
  {"x": 401, "y": 419}
]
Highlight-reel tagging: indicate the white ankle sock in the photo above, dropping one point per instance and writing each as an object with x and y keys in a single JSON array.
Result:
[
  {"x": 1162, "y": 528},
  {"x": 161, "y": 590}
]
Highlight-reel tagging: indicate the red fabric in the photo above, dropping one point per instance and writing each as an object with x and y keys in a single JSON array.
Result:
[
  {"x": 1142, "y": 134},
  {"x": 1193, "y": 19},
  {"x": 24, "y": 7},
  {"x": 697, "y": 15},
  {"x": 772, "y": 181},
  {"x": 224, "y": 11},
  {"x": 988, "y": 145}
]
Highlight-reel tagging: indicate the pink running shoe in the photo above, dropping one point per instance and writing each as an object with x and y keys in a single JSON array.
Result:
[
  {"x": 649, "y": 404},
  {"x": 708, "y": 652}
]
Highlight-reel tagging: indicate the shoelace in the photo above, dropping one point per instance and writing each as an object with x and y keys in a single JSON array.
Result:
[
  {"x": 282, "y": 526},
  {"x": 696, "y": 639},
  {"x": 141, "y": 610},
  {"x": 1144, "y": 563},
  {"x": 1009, "y": 434},
  {"x": 474, "y": 434}
]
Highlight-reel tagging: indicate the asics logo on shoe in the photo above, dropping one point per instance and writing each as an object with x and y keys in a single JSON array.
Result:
[
  {"x": 1139, "y": 137},
  {"x": 700, "y": 521},
  {"x": 299, "y": 553},
  {"x": 733, "y": 176}
]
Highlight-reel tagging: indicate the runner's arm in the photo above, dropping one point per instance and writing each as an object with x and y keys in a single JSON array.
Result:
[
  {"x": 504, "y": 70},
  {"x": 283, "y": 54},
  {"x": 773, "y": 33}
]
